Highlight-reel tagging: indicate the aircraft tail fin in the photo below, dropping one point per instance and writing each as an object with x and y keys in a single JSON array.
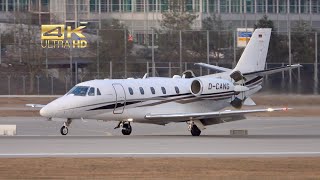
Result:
[{"x": 254, "y": 55}]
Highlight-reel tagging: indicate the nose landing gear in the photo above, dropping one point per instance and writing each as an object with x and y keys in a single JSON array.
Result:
[{"x": 64, "y": 129}]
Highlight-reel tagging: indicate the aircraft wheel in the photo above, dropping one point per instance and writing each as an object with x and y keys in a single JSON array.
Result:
[
  {"x": 127, "y": 129},
  {"x": 195, "y": 131},
  {"x": 64, "y": 130}
]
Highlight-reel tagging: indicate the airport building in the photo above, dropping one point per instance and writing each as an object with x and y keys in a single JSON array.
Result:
[{"x": 144, "y": 14}]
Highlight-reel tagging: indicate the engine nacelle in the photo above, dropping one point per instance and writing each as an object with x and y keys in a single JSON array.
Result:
[{"x": 206, "y": 86}]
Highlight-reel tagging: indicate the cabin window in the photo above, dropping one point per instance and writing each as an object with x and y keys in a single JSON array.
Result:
[
  {"x": 177, "y": 89},
  {"x": 163, "y": 90},
  {"x": 91, "y": 91},
  {"x": 98, "y": 92},
  {"x": 152, "y": 90},
  {"x": 141, "y": 90},
  {"x": 130, "y": 90},
  {"x": 79, "y": 90}
]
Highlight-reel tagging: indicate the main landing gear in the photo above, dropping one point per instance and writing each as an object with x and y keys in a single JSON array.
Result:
[
  {"x": 195, "y": 131},
  {"x": 126, "y": 127},
  {"x": 64, "y": 129}
]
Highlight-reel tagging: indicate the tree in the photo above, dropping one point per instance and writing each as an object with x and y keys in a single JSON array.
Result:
[
  {"x": 220, "y": 37},
  {"x": 175, "y": 21},
  {"x": 113, "y": 45},
  {"x": 169, "y": 34},
  {"x": 302, "y": 42},
  {"x": 28, "y": 48},
  {"x": 278, "y": 43}
]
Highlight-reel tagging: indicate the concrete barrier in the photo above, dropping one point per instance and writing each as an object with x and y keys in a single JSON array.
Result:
[
  {"x": 8, "y": 130},
  {"x": 238, "y": 132}
]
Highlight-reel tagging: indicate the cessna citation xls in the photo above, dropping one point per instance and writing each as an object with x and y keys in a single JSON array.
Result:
[{"x": 196, "y": 100}]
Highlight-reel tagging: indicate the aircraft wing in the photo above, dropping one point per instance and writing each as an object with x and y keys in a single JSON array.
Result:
[
  {"x": 36, "y": 105},
  {"x": 212, "y": 67},
  {"x": 217, "y": 114},
  {"x": 273, "y": 70}
]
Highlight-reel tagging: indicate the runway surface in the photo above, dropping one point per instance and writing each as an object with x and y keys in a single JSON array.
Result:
[{"x": 286, "y": 136}]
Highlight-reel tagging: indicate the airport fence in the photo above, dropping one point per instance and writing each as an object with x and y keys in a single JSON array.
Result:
[
  {"x": 27, "y": 68},
  {"x": 303, "y": 81}
]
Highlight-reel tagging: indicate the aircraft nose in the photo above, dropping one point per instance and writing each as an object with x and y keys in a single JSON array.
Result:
[{"x": 44, "y": 112}]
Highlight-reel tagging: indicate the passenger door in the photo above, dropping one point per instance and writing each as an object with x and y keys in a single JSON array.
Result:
[{"x": 120, "y": 99}]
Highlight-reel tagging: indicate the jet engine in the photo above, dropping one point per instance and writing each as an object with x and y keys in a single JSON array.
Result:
[{"x": 207, "y": 86}]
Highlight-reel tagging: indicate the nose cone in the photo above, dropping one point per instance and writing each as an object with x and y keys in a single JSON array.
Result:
[{"x": 44, "y": 111}]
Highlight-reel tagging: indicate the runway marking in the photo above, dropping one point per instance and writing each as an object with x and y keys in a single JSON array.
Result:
[{"x": 159, "y": 154}]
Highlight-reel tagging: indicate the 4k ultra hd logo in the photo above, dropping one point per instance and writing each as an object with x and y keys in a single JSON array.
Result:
[{"x": 57, "y": 36}]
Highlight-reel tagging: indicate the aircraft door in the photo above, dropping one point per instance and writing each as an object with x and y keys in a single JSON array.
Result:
[{"x": 120, "y": 99}]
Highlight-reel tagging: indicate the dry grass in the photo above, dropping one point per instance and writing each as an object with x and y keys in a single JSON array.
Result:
[{"x": 160, "y": 168}]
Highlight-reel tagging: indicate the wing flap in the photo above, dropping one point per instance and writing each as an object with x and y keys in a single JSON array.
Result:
[{"x": 226, "y": 113}]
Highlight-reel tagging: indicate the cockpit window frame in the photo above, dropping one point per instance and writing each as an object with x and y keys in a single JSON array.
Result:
[
  {"x": 91, "y": 93},
  {"x": 82, "y": 93}
]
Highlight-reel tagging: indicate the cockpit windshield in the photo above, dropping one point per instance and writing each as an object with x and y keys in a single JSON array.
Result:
[{"x": 79, "y": 90}]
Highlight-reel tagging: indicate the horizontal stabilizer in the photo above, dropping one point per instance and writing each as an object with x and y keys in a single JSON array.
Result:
[
  {"x": 212, "y": 67},
  {"x": 273, "y": 70}
]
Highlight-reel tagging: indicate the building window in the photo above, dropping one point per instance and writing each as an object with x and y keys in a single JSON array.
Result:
[
  {"x": 130, "y": 90},
  {"x": 294, "y": 7},
  {"x": 104, "y": 6},
  {"x": 177, "y": 89},
  {"x": 261, "y": 6},
  {"x": 115, "y": 5},
  {"x": 235, "y": 6},
  {"x": 272, "y": 6},
  {"x": 127, "y": 7},
  {"x": 141, "y": 90},
  {"x": 152, "y": 90},
  {"x": 139, "y": 6},
  {"x": 163, "y": 90},
  {"x": 212, "y": 6},
  {"x": 189, "y": 7},
  {"x": 250, "y": 6},
  {"x": 140, "y": 38},
  {"x": 224, "y": 6},
  {"x": 282, "y": 6},
  {"x": 164, "y": 5},
  {"x": 152, "y": 5},
  {"x": 305, "y": 4}
]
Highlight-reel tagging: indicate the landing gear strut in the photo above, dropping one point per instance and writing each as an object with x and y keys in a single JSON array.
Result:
[
  {"x": 126, "y": 127},
  {"x": 195, "y": 131},
  {"x": 64, "y": 129}
]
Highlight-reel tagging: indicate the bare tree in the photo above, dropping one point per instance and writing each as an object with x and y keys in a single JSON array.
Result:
[{"x": 28, "y": 45}]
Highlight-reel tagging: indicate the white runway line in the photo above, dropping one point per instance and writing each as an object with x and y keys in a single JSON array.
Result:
[{"x": 156, "y": 154}]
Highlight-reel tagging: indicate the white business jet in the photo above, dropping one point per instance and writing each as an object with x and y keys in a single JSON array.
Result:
[{"x": 196, "y": 100}]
